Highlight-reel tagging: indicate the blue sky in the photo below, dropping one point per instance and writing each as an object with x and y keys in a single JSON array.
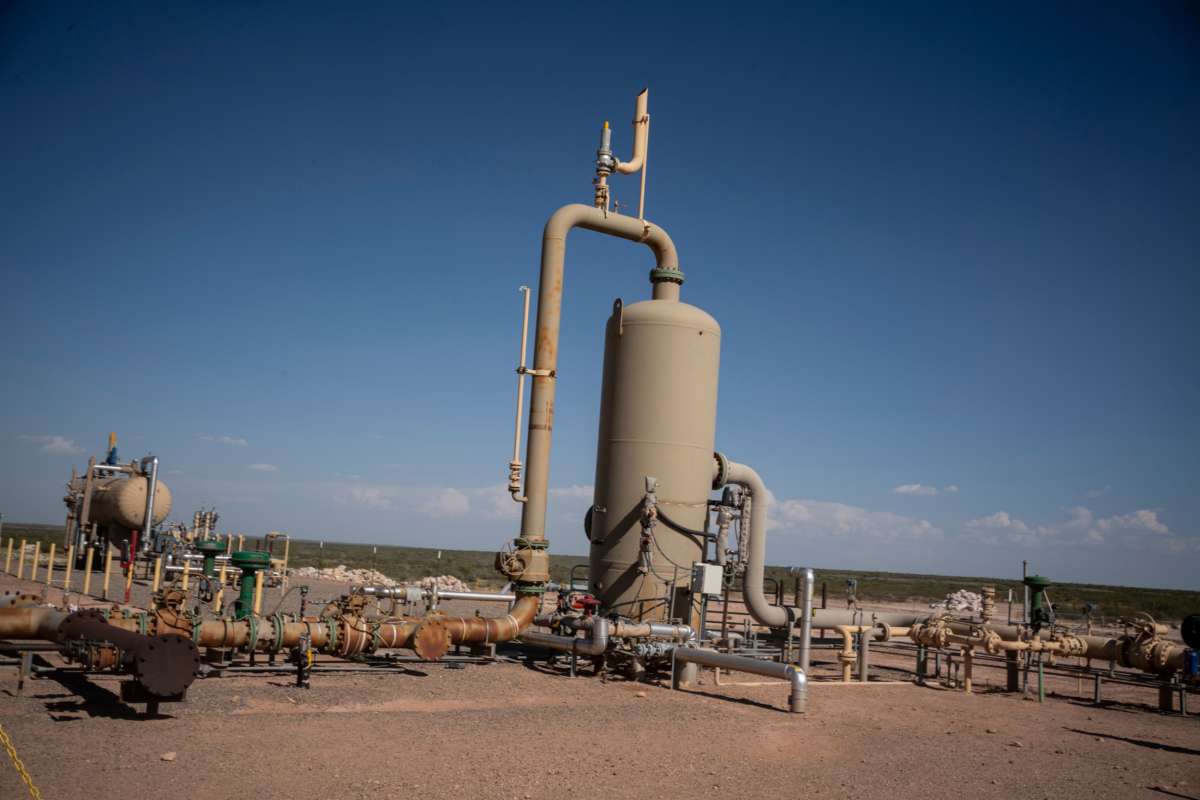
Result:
[{"x": 953, "y": 249}]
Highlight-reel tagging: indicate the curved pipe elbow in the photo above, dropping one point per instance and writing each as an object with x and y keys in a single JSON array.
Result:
[
  {"x": 578, "y": 215},
  {"x": 593, "y": 646},
  {"x": 640, "y": 122},
  {"x": 798, "y": 700},
  {"x": 752, "y": 584}
]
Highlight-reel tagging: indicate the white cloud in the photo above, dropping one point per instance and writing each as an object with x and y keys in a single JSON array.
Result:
[
  {"x": 375, "y": 498},
  {"x": 264, "y": 468},
  {"x": 951, "y": 489},
  {"x": 1082, "y": 527},
  {"x": 55, "y": 445},
  {"x": 446, "y": 503},
  {"x": 1141, "y": 520},
  {"x": 825, "y": 518},
  {"x": 915, "y": 490},
  {"x": 990, "y": 528},
  {"x": 575, "y": 491},
  {"x": 228, "y": 441}
]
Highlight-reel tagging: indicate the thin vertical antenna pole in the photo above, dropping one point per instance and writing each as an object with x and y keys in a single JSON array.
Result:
[
  {"x": 521, "y": 376},
  {"x": 645, "y": 166}
]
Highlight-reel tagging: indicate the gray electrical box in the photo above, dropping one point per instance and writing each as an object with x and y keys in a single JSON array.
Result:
[{"x": 706, "y": 578}]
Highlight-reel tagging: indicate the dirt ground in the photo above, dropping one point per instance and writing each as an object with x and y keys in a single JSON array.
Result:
[{"x": 527, "y": 730}]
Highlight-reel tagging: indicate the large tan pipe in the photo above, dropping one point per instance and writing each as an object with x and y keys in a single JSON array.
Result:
[
  {"x": 345, "y": 636},
  {"x": 640, "y": 122},
  {"x": 40, "y": 622},
  {"x": 549, "y": 314},
  {"x": 756, "y": 543}
]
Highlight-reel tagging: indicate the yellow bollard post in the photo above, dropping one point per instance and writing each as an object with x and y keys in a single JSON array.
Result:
[
  {"x": 220, "y": 591},
  {"x": 258, "y": 586},
  {"x": 70, "y": 566},
  {"x": 157, "y": 575},
  {"x": 21, "y": 561},
  {"x": 129, "y": 576},
  {"x": 87, "y": 570},
  {"x": 37, "y": 554},
  {"x": 187, "y": 571},
  {"x": 50, "y": 566},
  {"x": 8, "y": 557},
  {"x": 108, "y": 553}
]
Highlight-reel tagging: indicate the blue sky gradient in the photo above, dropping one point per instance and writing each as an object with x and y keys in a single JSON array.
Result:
[{"x": 953, "y": 249}]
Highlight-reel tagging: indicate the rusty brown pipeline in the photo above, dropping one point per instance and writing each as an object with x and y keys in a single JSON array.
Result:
[
  {"x": 666, "y": 279},
  {"x": 164, "y": 664},
  {"x": 31, "y": 622},
  {"x": 1149, "y": 654},
  {"x": 485, "y": 630}
]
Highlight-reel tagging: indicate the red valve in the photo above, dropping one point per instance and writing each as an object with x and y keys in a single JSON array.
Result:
[{"x": 586, "y": 602}]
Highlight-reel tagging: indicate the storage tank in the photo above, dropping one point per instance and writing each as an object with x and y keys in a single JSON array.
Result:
[
  {"x": 658, "y": 411},
  {"x": 120, "y": 503}
]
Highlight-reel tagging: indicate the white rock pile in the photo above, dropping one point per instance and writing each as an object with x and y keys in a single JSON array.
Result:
[
  {"x": 444, "y": 583},
  {"x": 343, "y": 574},
  {"x": 962, "y": 600}
]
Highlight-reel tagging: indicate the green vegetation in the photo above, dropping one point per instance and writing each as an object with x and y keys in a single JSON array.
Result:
[
  {"x": 475, "y": 567},
  {"x": 1069, "y": 598}
]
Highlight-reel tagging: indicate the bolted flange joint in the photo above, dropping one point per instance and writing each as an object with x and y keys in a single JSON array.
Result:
[{"x": 666, "y": 275}]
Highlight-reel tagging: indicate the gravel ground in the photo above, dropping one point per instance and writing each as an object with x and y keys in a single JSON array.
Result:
[{"x": 515, "y": 730}]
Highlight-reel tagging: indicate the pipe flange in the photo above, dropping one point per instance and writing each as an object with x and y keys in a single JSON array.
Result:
[
  {"x": 331, "y": 643},
  {"x": 431, "y": 640},
  {"x": 533, "y": 544},
  {"x": 722, "y": 476},
  {"x": 277, "y": 625},
  {"x": 252, "y": 637},
  {"x": 666, "y": 275}
]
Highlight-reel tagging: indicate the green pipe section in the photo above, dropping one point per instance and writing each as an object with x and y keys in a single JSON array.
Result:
[{"x": 250, "y": 562}]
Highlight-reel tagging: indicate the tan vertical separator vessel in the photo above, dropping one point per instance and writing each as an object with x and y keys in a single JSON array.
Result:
[{"x": 658, "y": 412}]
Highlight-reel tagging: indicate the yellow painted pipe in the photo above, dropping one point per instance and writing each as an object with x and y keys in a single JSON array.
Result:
[
  {"x": 258, "y": 592},
  {"x": 50, "y": 565},
  {"x": 157, "y": 575},
  {"x": 70, "y": 568},
  {"x": 187, "y": 572},
  {"x": 220, "y": 590},
  {"x": 241, "y": 541},
  {"x": 108, "y": 553},
  {"x": 847, "y": 655},
  {"x": 87, "y": 570},
  {"x": 37, "y": 554},
  {"x": 21, "y": 561},
  {"x": 8, "y": 556},
  {"x": 129, "y": 576}
]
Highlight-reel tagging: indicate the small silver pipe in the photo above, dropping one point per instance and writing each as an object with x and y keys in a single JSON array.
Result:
[
  {"x": 807, "y": 579},
  {"x": 637, "y": 630},
  {"x": 110, "y": 468},
  {"x": 798, "y": 699},
  {"x": 411, "y": 592},
  {"x": 151, "y": 490}
]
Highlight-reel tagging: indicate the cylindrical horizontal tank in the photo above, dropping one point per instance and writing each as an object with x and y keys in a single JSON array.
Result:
[
  {"x": 121, "y": 502},
  {"x": 658, "y": 412}
]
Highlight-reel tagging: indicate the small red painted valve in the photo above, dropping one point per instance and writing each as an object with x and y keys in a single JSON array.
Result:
[{"x": 586, "y": 602}]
